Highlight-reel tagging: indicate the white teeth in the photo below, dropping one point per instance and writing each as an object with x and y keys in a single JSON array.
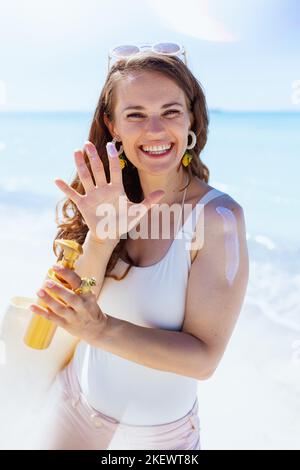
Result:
[{"x": 157, "y": 148}]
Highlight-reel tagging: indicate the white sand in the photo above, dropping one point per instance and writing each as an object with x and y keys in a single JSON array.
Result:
[{"x": 253, "y": 399}]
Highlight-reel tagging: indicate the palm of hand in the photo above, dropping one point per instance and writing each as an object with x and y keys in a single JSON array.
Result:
[{"x": 105, "y": 203}]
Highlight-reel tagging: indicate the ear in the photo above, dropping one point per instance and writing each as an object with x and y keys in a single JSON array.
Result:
[
  {"x": 192, "y": 119},
  {"x": 108, "y": 124}
]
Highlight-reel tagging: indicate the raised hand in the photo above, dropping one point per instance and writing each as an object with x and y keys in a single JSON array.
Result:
[{"x": 123, "y": 214}]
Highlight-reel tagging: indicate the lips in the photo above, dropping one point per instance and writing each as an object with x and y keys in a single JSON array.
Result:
[{"x": 158, "y": 154}]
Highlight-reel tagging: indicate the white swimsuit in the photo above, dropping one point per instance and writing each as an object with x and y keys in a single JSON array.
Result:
[{"x": 154, "y": 297}]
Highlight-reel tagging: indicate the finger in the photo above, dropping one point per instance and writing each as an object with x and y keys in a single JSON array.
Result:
[
  {"x": 83, "y": 171},
  {"x": 152, "y": 198},
  {"x": 96, "y": 164},
  {"x": 66, "y": 295},
  {"x": 143, "y": 207},
  {"x": 69, "y": 192},
  {"x": 48, "y": 314},
  {"x": 55, "y": 305},
  {"x": 68, "y": 275},
  {"x": 114, "y": 164}
]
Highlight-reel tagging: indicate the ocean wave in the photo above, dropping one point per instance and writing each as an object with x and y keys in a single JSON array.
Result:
[
  {"x": 274, "y": 279},
  {"x": 25, "y": 199},
  {"x": 276, "y": 292},
  {"x": 265, "y": 241}
]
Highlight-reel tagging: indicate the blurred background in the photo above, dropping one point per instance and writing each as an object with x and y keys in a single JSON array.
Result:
[{"x": 53, "y": 63}]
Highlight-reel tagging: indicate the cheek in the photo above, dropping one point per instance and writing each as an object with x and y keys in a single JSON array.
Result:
[{"x": 132, "y": 132}]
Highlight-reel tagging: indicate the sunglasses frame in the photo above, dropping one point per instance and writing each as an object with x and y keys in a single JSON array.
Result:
[{"x": 142, "y": 46}]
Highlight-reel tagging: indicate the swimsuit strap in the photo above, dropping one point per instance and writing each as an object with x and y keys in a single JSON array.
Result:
[{"x": 182, "y": 204}]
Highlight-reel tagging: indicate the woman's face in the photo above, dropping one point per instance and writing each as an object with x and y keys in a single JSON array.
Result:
[{"x": 155, "y": 124}]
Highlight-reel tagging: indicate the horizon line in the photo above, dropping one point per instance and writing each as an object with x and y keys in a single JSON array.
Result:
[{"x": 85, "y": 111}]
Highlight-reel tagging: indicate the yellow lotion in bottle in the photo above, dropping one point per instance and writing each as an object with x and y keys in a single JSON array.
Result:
[{"x": 40, "y": 331}]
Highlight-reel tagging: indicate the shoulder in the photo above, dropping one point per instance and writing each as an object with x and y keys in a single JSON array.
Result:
[
  {"x": 223, "y": 211},
  {"x": 217, "y": 208},
  {"x": 224, "y": 220},
  {"x": 222, "y": 224}
]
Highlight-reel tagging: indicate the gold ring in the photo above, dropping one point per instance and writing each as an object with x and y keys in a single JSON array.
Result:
[{"x": 85, "y": 285}]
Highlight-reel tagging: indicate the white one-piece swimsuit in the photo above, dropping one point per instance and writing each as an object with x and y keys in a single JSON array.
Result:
[{"x": 154, "y": 297}]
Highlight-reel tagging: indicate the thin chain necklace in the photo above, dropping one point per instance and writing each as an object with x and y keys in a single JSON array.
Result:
[
  {"x": 182, "y": 204},
  {"x": 177, "y": 228}
]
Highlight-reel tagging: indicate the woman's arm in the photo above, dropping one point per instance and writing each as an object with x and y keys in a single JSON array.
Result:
[
  {"x": 216, "y": 289},
  {"x": 93, "y": 261},
  {"x": 218, "y": 279},
  {"x": 169, "y": 351}
]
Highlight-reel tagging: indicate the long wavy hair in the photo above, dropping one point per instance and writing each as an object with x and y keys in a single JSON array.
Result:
[{"x": 72, "y": 226}]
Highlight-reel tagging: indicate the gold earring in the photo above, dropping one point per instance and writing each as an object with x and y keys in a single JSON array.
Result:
[
  {"x": 122, "y": 160},
  {"x": 186, "y": 159}
]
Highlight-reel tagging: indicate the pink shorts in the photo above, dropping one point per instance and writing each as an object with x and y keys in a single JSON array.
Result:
[{"x": 72, "y": 424}]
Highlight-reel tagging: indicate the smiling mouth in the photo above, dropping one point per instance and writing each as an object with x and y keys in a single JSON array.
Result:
[{"x": 157, "y": 155}]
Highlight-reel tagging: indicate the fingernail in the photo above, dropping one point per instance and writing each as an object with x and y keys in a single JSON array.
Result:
[
  {"x": 111, "y": 149},
  {"x": 90, "y": 148},
  {"x": 41, "y": 293},
  {"x": 57, "y": 267},
  {"x": 50, "y": 283}
]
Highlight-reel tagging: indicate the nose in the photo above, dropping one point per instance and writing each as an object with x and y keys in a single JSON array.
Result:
[{"x": 155, "y": 125}]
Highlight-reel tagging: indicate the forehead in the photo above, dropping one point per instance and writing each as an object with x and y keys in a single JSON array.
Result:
[{"x": 146, "y": 89}]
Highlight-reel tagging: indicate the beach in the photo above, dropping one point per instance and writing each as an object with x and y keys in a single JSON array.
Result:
[{"x": 252, "y": 400}]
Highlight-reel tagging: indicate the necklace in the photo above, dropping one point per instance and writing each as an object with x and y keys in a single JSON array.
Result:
[
  {"x": 128, "y": 258},
  {"x": 182, "y": 204}
]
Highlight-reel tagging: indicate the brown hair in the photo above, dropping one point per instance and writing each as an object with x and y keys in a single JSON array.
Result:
[{"x": 73, "y": 226}]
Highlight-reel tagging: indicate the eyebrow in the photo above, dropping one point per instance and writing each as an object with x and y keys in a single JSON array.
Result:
[{"x": 167, "y": 105}]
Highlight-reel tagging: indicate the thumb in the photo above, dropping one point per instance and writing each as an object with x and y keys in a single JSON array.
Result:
[
  {"x": 153, "y": 198},
  {"x": 145, "y": 205}
]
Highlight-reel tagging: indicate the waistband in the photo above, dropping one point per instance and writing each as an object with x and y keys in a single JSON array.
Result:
[{"x": 70, "y": 385}]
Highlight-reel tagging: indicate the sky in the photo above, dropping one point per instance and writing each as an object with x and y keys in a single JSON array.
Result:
[{"x": 53, "y": 54}]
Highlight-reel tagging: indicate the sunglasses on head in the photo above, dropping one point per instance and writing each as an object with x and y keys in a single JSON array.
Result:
[{"x": 165, "y": 48}]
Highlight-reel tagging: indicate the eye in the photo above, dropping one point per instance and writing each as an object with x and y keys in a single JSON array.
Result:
[{"x": 139, "y": 114}]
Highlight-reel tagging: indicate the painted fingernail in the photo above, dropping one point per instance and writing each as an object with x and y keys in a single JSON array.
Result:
[
  {"x": 92, "y": 153},
  {"x": 50, "y": 284},
  {"x": 111, "y": 149},
  {"x": 57, "y": 267},
  {"x": 41, "y": 293},
  {"x": 89, "y": 148}
]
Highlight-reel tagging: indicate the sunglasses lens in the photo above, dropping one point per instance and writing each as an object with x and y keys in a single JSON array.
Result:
[
  {"x": 167, "y": 48},
  {"x": 124, "y": 51}
]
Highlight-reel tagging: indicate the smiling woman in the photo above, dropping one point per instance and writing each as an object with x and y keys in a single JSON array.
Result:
[{"x": 164, "y": 307}]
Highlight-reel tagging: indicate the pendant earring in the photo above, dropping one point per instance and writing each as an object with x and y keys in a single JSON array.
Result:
[
  {"x": 187, "y": 157},
  {"x": 122, "y": 160}
]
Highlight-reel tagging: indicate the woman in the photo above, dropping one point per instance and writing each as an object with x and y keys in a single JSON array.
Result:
[{"x": 164, "y": 308}]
